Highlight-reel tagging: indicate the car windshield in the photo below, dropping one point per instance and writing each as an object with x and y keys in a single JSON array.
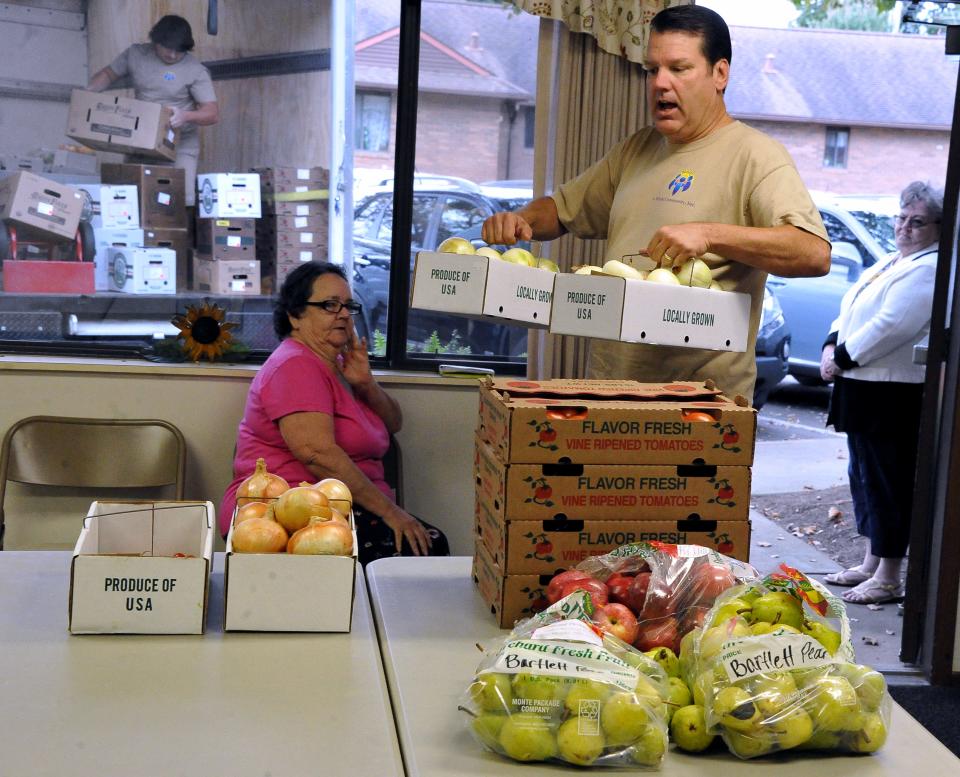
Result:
[{"x": 879, "y": 225}]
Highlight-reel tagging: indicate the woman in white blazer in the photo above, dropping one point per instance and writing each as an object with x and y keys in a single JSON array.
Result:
[{"x": 878, "y": 391}]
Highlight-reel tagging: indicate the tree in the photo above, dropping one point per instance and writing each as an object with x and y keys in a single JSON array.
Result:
[{"x": 845, "y": 14}]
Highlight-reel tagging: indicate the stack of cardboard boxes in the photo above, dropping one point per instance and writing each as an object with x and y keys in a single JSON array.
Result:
[
  {"x": 228, "y": 209},
  {"x": 294, "y": 228},
  {"x": 568, "y": 469}
]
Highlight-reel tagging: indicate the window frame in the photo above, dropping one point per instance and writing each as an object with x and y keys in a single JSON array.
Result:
[{"x": 835, "y": 155}]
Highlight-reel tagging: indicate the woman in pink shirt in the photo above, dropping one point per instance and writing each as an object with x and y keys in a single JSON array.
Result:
[{"x": 315, "y": 411}]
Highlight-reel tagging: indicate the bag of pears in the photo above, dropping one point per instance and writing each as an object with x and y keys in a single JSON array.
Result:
[
  {"x": 774, "y": 670},
  {"x": 560, "y": 689}
]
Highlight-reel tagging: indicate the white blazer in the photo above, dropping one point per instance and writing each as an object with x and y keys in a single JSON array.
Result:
[{"x": 885, "y": 313}]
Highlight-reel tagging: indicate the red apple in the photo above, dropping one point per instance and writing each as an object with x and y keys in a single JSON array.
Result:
[
  {"x": 617, "y": 619},
  {"x": 597, "y": 590},
  {"x": 658, "y": 633},
  {"x": 660, "y": 601},
  {"x": 638, "y": 592},
  {"x": 707, "y": 583},
  {"x": 619, "y": 586},
  {"x": 693, "y": 618},
  {"x": 556, "y": 584}
]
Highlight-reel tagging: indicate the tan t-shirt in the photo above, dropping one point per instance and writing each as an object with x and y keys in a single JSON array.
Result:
[
  {"x": 735, "y": 175},
  {"x": 181, "y": 85}
]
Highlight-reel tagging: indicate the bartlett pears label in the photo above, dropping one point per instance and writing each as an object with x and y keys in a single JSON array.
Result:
[{"x": 775, "y": 652}]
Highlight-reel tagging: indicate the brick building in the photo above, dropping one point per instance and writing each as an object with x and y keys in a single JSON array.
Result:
[{"x": 860, "y": 112}]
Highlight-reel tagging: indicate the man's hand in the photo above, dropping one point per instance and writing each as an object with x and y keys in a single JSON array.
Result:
[
  {"x": 675, "y": 244},
  {"x": 506, "y": 229},
  {"x": 828, "y": 367},
  {"x": 178, "y": 118}
]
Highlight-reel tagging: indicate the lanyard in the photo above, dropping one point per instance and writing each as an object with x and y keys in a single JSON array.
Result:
[{"x": 886, "y": 267}]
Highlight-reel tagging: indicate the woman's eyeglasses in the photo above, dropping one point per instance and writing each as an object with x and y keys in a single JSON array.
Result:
[
  {"x": 912, "y": 222},
  {"x": 335, "y": 306}
]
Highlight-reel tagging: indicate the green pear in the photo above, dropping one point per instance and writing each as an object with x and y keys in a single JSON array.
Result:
[
  {"x": 731, "y": 609},
  {"x": 780, "y": 608},
  {"x": 772, "y": 692},
  {"x": 624, "y": 717},
  {"x": 689, "y": 729},
  {"x": 870, "y": 736},
  {"x": 492, "y": 692},
  {"x": 456, "y": 245},
  {"x": 822, "y": 633},
  {"x": 745, "y": 745},
  {"x": 526, "y": 736},
  {"x": 650, "y": 748},
  {"x": 868, "y": 683},
  {"x": 823, "y": 740},
  {"x": 713, "y": 638},
  {"x": 735, "y": 709},
  {"x": 833, "y": 704},
  {"x": 678, "y": 695},
  {"x": 667, "y": 659},
  {"x": 538, "y": 687},
  {"x": 792, "y": 728},
  {"x": 579, "y": 741},
  {"x": 486, "y": 728}
]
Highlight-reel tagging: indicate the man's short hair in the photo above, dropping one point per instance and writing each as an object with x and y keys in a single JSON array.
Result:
[
  {"x": 172, "y": 32},
  {"x": 697, "y": 20}
]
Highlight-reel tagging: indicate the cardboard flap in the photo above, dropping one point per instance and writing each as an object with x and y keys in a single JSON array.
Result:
[{"x": 610, "y": 390}]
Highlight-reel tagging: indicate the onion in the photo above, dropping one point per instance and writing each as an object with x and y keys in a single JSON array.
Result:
[
  {"x": 261, "y": 485},
  {"x": 337, "y": 492},
  {"x": 253, "y": 510},
  {"x": 322, "y": 537},
  {"x": 259, "y": 535},
  {"x": 328, "y": 514},
  {"x": 295, "y": 506}
]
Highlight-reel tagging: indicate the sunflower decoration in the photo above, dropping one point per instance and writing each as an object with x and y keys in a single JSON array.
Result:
[{"x": 204, "y": 331}]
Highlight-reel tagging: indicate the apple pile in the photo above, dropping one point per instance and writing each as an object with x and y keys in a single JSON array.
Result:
[
  {"x": 309, "y": 519},
  {"x": 516, "y": 255},
  {"x": 771, "y": 672},
  {"x": 655, "y": 596},
  {"x": 693, "y": 272},
  {"x": 558, "y": 690}
]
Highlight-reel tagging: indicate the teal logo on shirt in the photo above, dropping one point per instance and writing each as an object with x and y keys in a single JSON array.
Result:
[
  {"x": 681, "y": 182},
  {"x": 169, "y": 76}
]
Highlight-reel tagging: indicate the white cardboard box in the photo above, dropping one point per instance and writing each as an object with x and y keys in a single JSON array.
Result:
[
  {"x": 285, "y": 592},
  {"x": 613, "y": 308},
  {"x": 110, "y": 206},
  {"x": 105, "y": 239},
  {"x": 142, "y": 270},
  {"x": 484, "y": 288},
  {"x": 125, "y": 578},
  {"x": 228, "y": 195}
]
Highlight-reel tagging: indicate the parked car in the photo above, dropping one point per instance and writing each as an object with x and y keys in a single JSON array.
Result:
[
  {"x": 440, "y": 214},
  {"x": 861, "y": 230}
]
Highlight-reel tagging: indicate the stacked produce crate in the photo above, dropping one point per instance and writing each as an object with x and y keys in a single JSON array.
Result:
[
  {"x": 567, "y": 469},
  {"x": 296, "y": 220},
  {"x": 161, "y": 197},
  {"x": 225, "y": 260}
]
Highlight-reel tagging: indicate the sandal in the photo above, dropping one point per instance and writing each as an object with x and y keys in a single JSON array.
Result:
[
  {"x": 872, "y": 592},
  {"x": 852, "y": 576}
]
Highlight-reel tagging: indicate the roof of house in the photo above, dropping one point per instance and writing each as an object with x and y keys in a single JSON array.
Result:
[
  {"x": 841, "y": 77},
  {"x": 826, "y": 76}
]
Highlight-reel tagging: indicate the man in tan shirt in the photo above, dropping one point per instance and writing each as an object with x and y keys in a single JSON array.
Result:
[
  {"x": 164, "y": 71},
  {"x": 696, "y": 184}
]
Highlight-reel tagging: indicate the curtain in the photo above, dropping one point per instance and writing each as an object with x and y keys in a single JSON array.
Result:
[
  {"x": 620, "y": 27},
  {"x": 587, "y": 100}
]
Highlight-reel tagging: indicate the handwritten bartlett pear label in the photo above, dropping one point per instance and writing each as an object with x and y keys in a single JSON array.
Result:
[{"x": 776, "y": 652}]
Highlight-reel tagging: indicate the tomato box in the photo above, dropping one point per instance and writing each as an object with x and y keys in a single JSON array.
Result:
[
  {"x": 509, "y": 597},
  {"x": 612, "y": 491},
  {"x": 607, "y": 422},
  {"x": 483, "y": 288},
  {"x": 40, "y": 205},
  {"x": 637, "y": 311},
  {"x": 281, "y": 592},
  {"x": 539, "y": 547},
  {"x": 142, "y": 567},
  {"x": 228, "y": 195}
]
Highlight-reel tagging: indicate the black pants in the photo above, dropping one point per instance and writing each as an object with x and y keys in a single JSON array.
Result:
[
  {"x": 882, "y": 474},
  {"x": 376, "y": 539}
]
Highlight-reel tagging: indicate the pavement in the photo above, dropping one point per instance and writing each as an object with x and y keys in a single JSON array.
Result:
[{"x": 818, "y": 460}]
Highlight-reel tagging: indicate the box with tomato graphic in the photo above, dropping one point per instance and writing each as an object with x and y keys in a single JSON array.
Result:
[
  {"x": 510, "y": 597},
  {"x": 611, "y": 491},
  {"x": 542, "y": 547},
  {"x": 623, "y": 422}
]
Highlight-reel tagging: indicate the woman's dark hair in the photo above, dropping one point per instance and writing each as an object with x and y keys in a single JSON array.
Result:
[
  {"x": 172, "y": 32},
  {"x": 296, "y": 290},
  {"x": 697, "y": 20}
]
